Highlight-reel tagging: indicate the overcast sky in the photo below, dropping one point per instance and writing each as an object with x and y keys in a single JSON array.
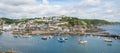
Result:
[{"x": 86, "y": 9}]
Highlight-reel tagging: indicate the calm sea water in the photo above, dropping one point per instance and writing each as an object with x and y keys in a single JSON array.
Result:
[
  {"x": 37, "y": 45},
  {"x": 115, "y": 29}
]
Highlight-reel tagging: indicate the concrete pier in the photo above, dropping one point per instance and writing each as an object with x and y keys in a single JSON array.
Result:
[{"x": 105, "y": 35}]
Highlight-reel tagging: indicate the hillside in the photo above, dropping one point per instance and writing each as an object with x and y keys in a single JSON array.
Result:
[
  {"x": 16, "y": 21},
  {"x": 71, "y": 20},
  {"x": 88, "y": 22},
  {"x": 96, "y": 22}
]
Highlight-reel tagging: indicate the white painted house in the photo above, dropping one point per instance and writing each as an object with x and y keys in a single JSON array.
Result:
[
  {"x": 60, "y": 23},
  {"x": 7, "y": 27},
  {"x": 66, "y": 30}
]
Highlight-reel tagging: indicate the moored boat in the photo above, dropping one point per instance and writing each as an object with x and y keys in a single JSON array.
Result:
[
  {"x": 45, "y": 38},
  {"x": 66, "y": 38},
  {"x": 61, "y": 39},
  {"x": 107, "y": 40},
  {"x": 50, "y": 37},
  {"x": 82, "y": 41},
  {"x": 25, "y": 36},
  {"x": 15, "y": 36}
]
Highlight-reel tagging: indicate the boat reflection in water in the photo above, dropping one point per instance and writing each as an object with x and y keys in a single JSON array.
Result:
[
  {"x": 22, "y": 36},
  {"x": 109, "y": 44}
]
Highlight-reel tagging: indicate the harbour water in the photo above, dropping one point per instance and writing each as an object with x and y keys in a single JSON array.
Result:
[
  {"x": 113, "y": 29},
  {"x": 36, "y": 45}
]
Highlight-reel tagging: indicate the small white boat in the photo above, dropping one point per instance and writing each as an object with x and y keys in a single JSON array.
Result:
[
  {"x": 66, "y": 38},
  {"x": 50, "y": 37},
  {"x": 61, "y": 38},
  {"x": 116, "y": 38},
  {"x": 98, "y": 37},
  {"x": 107, "y": 40},
  {"x": 82, "y": 41},
  {"x": 25, "y": 36},
  {"x": 91, "y": 35}
]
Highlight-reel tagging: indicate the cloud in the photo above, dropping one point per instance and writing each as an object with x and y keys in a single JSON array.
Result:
[
  {"x": 91, "y": 2},
  {"x": 90, "y": 9},
  {"x": 18, "y": 2},
  {"x": 45, "y": 1}
]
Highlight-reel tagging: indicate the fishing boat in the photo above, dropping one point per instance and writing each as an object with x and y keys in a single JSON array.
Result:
[
  {"x": 107, "y": 40},
  {"x": 82, "y": 41}
]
